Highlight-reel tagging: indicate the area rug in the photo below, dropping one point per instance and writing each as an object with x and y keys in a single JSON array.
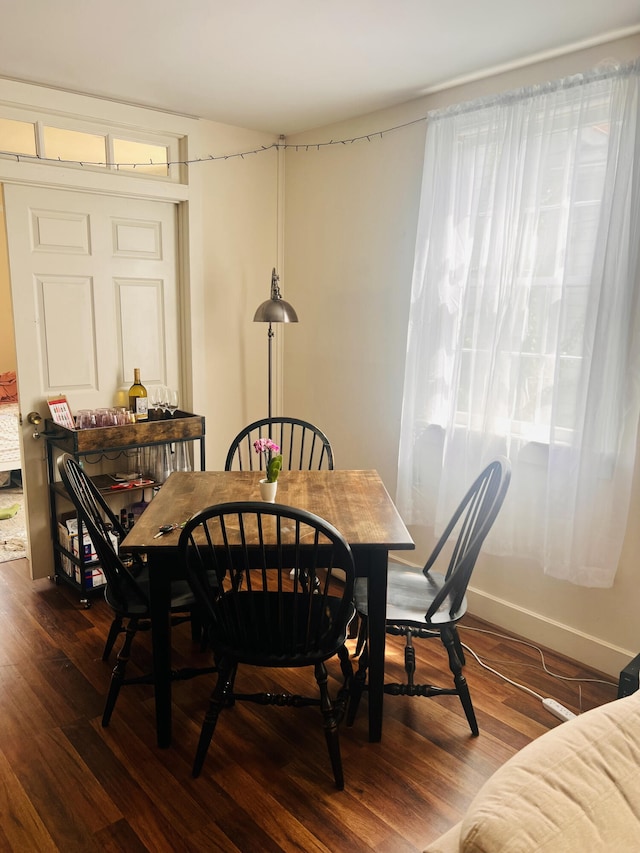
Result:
[{"x": 13, "y": 531}]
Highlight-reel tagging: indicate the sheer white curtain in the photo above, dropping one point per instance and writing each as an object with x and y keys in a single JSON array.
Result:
[{"x": 524, "y": 329}]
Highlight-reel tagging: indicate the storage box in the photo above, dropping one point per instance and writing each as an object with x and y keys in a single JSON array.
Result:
[
  {"x": 68, "y": 536},
  {"x": 67, "y": 566},
  {"x": 93, "y": 577},
  {"x": 69, "y": 539}
]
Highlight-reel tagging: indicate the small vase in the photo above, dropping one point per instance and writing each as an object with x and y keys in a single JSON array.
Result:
[{"x": 268, "y": 491}]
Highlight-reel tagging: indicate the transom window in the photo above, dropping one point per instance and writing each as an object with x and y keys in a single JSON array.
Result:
[{"x": 94, "y": 148}]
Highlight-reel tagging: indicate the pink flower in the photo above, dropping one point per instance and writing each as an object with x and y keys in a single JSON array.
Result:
[{"x": 261, "y": 445}]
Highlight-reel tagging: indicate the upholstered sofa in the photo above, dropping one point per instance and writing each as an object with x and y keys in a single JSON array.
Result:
[{"x": 575, "y": 788}]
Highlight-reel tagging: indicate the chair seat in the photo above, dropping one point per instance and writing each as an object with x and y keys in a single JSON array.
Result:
[
  {"x": 409, "y": 595},
  {"x": 181, "y": 596},
  {"x": 130, "y": 607},
  {"x": 260, "y": 615},
  {"x": 137, "y": 601}
]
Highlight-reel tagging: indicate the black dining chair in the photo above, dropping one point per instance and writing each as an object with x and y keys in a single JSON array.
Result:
[
  {"x": 427, "y": 604},
  {"x": 260, "y": 616},
  {"x": 127, "y": 588},
  {"x": 304, "y": 447}
]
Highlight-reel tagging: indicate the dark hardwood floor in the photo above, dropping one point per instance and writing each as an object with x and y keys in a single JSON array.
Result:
[{"x": 68, "y": 784}]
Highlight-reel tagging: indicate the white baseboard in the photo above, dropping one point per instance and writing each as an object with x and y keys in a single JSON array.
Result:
[{"x": 538, "y": 629}]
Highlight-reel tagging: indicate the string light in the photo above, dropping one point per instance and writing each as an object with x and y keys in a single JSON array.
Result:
[{"x": 25, "y": 158}]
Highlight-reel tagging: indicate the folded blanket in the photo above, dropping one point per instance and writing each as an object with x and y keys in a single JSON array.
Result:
[{"x": 8, "y": 387}]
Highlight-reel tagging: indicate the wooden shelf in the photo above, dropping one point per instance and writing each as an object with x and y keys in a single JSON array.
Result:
[
  {"x": 184, "y": 426},
  {"x": 106, "y": 485}
]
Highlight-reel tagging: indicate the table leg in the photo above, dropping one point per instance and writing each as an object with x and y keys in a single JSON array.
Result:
[
  {"x": 377, "y": 606},
  {"x": 160, "y": 607}
]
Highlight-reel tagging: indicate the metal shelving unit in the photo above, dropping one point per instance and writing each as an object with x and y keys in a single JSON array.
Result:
[{"x": 104, "y": 447}]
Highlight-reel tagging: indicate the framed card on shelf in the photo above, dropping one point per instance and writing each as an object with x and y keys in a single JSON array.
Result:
[{"x": 60, "y": 412}]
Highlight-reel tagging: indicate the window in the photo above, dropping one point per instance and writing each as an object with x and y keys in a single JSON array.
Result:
[
  {"x": 556, "y": 233},
  {"x": 89, "y": 147},
  {"x": 17, "y": 137},
  {"x": 524, "y": 318},
  {"x": 74, "y": 145},
  {"x": 142, "y": 157}
]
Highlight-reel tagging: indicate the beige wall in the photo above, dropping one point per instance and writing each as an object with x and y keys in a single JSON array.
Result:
[
  {"x": 239, "y": 250},
  {"x": 351, "y": 213}
]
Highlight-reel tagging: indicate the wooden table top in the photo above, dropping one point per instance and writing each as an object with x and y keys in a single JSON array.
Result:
[{"x": 356, "y": 502}]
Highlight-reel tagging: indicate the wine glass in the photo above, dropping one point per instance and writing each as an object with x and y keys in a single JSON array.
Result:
[
  {"x": 155, "y": 395},
  {"x": 172, "y": 399},
  {"x": 163, "y": 393}
]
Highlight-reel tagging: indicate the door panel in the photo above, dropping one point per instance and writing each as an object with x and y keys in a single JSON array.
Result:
[
  {"x": 70, "y": 298},
  {"x": 94, "y": 291},
  {"x": 142, "y": 342}
]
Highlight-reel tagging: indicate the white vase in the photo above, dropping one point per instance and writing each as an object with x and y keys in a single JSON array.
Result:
[{"x": 268, "y": 491}]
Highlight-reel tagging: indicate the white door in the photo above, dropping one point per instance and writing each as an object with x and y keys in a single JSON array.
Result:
[{"x": 94, "y": 290}]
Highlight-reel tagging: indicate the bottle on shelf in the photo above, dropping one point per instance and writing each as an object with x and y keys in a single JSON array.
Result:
[{"x": 138, "y": 400}]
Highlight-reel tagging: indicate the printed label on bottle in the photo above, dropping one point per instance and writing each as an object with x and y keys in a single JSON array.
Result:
[{"x": 142, "y": 407}]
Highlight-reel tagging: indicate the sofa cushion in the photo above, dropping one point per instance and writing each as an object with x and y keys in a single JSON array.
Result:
[{"x": 577, "y": 787}]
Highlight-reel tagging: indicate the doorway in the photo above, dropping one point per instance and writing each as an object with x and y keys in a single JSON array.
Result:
[
  {"x": 13, "y": 532},
  {"x": 94, "y": 290}
]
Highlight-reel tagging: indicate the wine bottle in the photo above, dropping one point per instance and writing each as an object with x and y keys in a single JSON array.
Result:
[{"x": 138, "y": 401}]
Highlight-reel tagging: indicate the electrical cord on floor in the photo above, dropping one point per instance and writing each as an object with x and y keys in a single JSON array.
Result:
[
  {"x": 552, "y": 705},
  {"x": 499, "y": 674},
  {"x": 541, "y": 653}
]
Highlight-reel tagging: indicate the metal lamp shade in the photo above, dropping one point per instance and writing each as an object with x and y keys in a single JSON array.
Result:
[{"x": 275, "y": 310}]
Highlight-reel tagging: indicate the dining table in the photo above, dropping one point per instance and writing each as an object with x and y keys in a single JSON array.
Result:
[{"x": 356, "y": 502}]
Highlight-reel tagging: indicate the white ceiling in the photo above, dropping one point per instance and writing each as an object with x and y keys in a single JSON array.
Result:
[{"x": 288, "y": 65}]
